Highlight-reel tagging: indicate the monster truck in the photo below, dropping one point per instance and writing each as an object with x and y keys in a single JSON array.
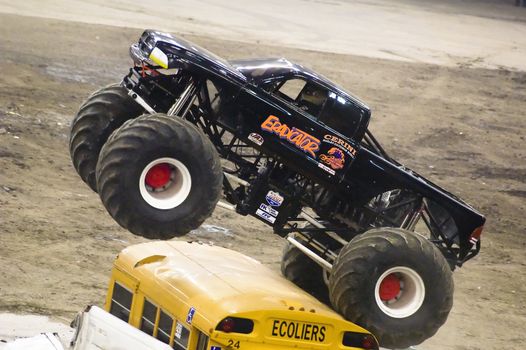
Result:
[{"x": 284, "y": 144}]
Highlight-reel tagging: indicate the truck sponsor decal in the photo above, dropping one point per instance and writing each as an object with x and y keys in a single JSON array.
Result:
[
  {"x": 256, "y": 138},
  {"x": 334, "y": 158},
  {"x": 298, "y": 330},
  {"x": 265, "y": 216},
  {"x": 274, "y": 198},
  {"x": 299, "y": 138},
  {"x": 268, "y": 209},
  {"x": 336, "y": 141},
  {"x": 326, "y": 168}
]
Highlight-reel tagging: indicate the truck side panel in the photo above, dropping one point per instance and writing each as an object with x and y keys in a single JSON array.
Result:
[{"x": 377, "y": 175}]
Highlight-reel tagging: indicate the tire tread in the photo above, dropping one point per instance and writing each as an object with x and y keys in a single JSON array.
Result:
[
  {"x": 103, "y": 111},
  {"x": 353, "y": 266}
]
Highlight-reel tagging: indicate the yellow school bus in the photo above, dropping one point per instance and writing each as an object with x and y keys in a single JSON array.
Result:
[{"x": 196, "y": 296}]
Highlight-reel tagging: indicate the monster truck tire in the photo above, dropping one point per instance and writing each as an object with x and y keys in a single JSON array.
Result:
[
  {"x": 303, "y": 272},
  {"x": 103, "y": 112},
  {"x": 394, "y": 283},
  {"x": 159, "y": 177}
]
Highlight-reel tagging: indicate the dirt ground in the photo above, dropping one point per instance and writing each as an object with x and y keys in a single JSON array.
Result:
[
  {"x": 477, "y": 33},
  {"x": 463, "y": 127}
]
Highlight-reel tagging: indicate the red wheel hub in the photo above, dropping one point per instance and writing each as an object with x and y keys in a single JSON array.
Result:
[
  {"x": 158, "y": 175},
  {"x": 390, "y": 287}
]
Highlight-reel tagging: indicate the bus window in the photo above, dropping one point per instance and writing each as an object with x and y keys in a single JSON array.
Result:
[
  {"x": 165, "y": 327},
  {"x": 181, "y": 337},
  {"x": 149, "y": 314},
  {"x": 121, "y": 301},
  {"x": 202, "y": 341}
]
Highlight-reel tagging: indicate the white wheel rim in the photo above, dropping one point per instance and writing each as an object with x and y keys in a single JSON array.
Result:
[
  {"x": 410, "y": 297},
  {"x": 174, "y": 193}
]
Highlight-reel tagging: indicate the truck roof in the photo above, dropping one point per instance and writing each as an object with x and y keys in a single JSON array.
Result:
[
  {"x": 264, "y": 68},
  {"x": 224, "y": 281},
  {"x": 240, "y": 70}
]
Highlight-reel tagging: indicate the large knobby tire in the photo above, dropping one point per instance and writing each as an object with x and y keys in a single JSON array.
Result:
[
  {"x": 102, "y": 113},
  {"x": 303, "y": 272},
  {"x": 159, "y": 177},
  {"x": 395, "y": 283}
]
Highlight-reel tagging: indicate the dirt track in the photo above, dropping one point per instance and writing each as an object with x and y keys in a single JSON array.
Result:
[
  {"x": 462, "y": 127},
  {"x": 475, "y": 33}
]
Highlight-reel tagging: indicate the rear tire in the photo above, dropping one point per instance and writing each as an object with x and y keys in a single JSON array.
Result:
[
  {"x": 103, "y": 112},
  {"x": 395, "y": 283},
  {"x": 303, "y": 272},
  {"x": 159, "y": 177}
]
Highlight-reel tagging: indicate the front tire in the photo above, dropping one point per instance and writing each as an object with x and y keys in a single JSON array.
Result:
[
  {"x": 394, "y": 283},
  {"x": 103, "y": 112},
  {"x": 159, "y": 177}
]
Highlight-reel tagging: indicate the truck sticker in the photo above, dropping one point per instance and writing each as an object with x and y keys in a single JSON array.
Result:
[
  {"x": 336, "y": 141},
  {"x": 334, "y": 158},
  {"x": 298, "y": 330},
  {"x": 265, "y": 216},
  {"x": 268, "y": 209},
  {"x": 326, "y": 168},
  {"x": 299, "y": 138},
  {"x": 256, "y": 138},
  {"x": 274, "y": 198}
]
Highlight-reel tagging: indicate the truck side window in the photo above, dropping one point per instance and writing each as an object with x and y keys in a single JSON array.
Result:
[
  {"x": 149, "y": 314},
  {"x": 312, "y": 99},
  {"x": 340, "y": 115},
  {"x": 291, "y": 89},
  {"x": 121, "y": 301},
  {"x": 182, "y": 334},
  {"x": 307, "y": 96}
]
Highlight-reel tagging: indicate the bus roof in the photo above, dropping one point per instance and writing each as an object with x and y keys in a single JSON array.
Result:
[{"x": 223, "y": 282}]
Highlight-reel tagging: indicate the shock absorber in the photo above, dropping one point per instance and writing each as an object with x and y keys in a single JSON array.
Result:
[{"x": 185, "y": 101}]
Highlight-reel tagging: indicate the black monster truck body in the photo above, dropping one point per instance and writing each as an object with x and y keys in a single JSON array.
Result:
[{"x": 295, "y": 153}]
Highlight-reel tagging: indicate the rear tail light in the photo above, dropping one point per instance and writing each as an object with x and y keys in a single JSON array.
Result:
[
  {"x": 360, "y": 340},
  {"x": 236, "y": 325},
  {"x": 475, "y": 235}
]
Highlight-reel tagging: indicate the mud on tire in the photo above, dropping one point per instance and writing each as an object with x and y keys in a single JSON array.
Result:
[
  {"x": 303, "y": 272},
  {"x": 103, "y": 112},
  {"x": 159, "y": 177},
  {"x": 394, "y": 283}
]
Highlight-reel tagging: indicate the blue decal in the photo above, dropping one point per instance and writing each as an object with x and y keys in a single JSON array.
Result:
[
  {"x": 190, "y": 315},
  {"x": 274, "y": 198},
  {"x": 215, "y": 348}
]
